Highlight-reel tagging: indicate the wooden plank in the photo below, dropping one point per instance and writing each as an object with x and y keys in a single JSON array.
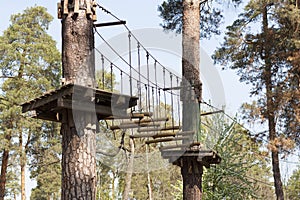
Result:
[
  {"x": 133, "y": 125},
  {"x": 162, "y": 134},
  {"x": 110, "y": 24},
  {"x": 159, "y": 129},
  {"x": 150, "y": 120},
  {"x": 88, "y": 7},
  {"x": 87, "y": 107},
  {"x": 66, "y": 10},
  {"x": 76, "y": 6},
  {"x": 50, "y": 116},
  {"x": 166, "y": 139},
  {"x": 46, "y": 98},
  {"x": 80, "y": 92},
  {"x": 168, "y": 147}
]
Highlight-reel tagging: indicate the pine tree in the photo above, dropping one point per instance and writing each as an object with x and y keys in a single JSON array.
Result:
[
  {"x": 243, "y": 172},
  {"x": 262, "y": 60},
  {"x": 30, "y": 65},
  {"x": 293, "y": 185}
]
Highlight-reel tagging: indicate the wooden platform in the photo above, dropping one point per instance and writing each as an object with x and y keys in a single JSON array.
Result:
[
  {"x": 105, "y": 104},
  {"x": 205, "y": 157}
]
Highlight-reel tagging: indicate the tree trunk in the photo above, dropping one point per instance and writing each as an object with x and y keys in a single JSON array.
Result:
[
  {"x": 271, "y": 107},
  {"x": 23, "y": 193},
  {"x": 5, "y": 156},
  {"x": 191, "y": 170},
  {"x": 78, "y": 157},
  {"x": 22, "y": 167},
  {"x": 78, "y": 128},
  {"x": 128, "y": 177}
]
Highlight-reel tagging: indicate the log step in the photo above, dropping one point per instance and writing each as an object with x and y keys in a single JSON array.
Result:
[
  {"x": 133, "y": 125},
  {"x": 175, "y": 146},
  {"x": 144, "y": 121},
  {"x": 167, "y": 139},
  {"x": 162, "y": 134},
  {"x": 159, "y": 129},
  {"x": 140, "y": 116}
]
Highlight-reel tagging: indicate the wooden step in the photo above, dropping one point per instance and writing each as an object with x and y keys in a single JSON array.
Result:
[
  {"x": 159, "y": 129},
  {"x": 175, "y": 146},
  {"x": 144, "y": 121},
  {"x": 133, "y": 125},
  {"x": 162, "y": 134},
  {"x": 167, "y": 139},
  {"x": 135, "y": 115}
]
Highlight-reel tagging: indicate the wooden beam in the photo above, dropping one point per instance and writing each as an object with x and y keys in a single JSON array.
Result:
[
  {"x": 133, "y": 125},
  {"x": 162, "y": 134},
  {"x": 159, "y": 129},
  {"x": 150, "y": 120},
  {"x": 166, "y": 139},
  {"x": 87, "y": 107},
  {"x": 110, "y": 23}
]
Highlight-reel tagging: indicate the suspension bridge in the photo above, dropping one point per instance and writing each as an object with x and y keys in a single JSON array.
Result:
[{"x": 137, "y": 96}]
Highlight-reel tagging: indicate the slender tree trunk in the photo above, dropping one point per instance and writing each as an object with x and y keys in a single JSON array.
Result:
[
  {"x": 78, "y": 128},
  {"x": 191, "y": 170},
  {"x": 23, "y": 193},
  {"x": 22, "y": 167},
  {"x": 149, "y": 185},
  {"x": 128, "y": 177},
  {"x": 5, "y": 156},
  {"x": 271, "y": 107}
]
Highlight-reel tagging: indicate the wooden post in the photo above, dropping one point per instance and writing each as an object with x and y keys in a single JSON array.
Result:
[
  {"x": 78, "y": 128},
  {"x": 191, "y": 169}
]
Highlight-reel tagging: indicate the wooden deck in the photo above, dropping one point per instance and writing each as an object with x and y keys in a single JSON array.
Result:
[{"x": 79, "y": 98}]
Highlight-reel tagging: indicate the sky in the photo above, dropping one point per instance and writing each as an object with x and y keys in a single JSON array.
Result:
[{"x": 139, "y": 14}]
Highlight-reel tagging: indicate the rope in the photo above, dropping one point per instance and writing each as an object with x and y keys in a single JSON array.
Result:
[
  {"x": 126, "y": 27},
  {"x": 103, "y": 72},
  {"x": 129, "y": 58},
  {"x": 148, "y": 78},
  {"x": 172, "y": 105},
  {"x": 178, "y": 102},
  {"x": 139, "y": 73},
  {"x": 111, "y": 77},
  {"x": 142, "y": 76}
]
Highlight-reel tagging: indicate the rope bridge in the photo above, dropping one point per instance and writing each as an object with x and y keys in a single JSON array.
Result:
[{"x": 157, "y": 115}]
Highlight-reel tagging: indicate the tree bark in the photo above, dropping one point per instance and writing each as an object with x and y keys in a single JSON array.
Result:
[
  {"x": 191, "y": 170},
  {"x": 5, "y": 156},
  {"x": 22, "y": 167},
  {"x": 271, "y": 106},
  {"x": 78, "y": 159},
  {"x": 78, "y": 128},
  {"x": 23, "y": 193}
]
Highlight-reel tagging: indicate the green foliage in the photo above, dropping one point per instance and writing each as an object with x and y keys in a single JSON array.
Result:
[
  {"x": 211, "y": 16},
  {"x": 245, "y": 48},
  {"x": 45, "y": 165},
  {"x": 293, "y": 186},
  {"x": 105, "y": 80},
  {"x": 29, "y": 66},
  {"x": 243, "y": 172}
]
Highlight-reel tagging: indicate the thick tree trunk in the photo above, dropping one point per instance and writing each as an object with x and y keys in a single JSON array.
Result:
[
  {"x": 78, "y": 128},
  {"x": 128, "y": 177},
  {"x": 78, "y": 159},
  {"x": 191, "y": 170},
  {"x": 5, "y": 156},
  {"x": 271, "y": 106}
]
